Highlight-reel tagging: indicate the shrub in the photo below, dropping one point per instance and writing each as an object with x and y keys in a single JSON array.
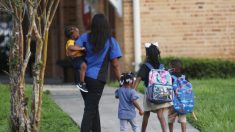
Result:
[{"x": 205, "y": 68}]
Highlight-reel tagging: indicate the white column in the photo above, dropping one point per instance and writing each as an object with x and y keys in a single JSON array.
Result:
[{"x": 137, "y": 33}]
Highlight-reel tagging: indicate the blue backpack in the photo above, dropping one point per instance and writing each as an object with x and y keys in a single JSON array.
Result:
[
  {"x": 183, "y": 101},
  {"x": 159, "y": 89}
]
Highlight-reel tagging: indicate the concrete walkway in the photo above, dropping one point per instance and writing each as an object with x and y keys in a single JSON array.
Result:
[{"x": 70, "y": 101}]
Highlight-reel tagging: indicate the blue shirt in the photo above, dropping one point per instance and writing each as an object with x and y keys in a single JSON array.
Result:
[
  {"x": 97, "y": 63},
  {"x": 126, "y": 108}
]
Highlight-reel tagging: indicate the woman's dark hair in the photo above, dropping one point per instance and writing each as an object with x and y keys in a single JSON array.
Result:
[
  {"x": 100, "y": 32},
  {"x": 153, "y": 55}
]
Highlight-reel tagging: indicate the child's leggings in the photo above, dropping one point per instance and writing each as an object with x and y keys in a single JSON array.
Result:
[{"x": 124, "y": 123}]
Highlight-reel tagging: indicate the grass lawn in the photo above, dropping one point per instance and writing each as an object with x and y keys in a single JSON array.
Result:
[
  {"x": 214, "y": 104},
  {"x": 53, "y": 118}
]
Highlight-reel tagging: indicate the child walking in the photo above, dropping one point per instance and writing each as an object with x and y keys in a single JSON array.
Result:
[
  {"x": 153, "y": 58},
  {"x": 77, "y": 55},
  {"x": 127, "y": 102},
  {"x": 176, "y": 70}
]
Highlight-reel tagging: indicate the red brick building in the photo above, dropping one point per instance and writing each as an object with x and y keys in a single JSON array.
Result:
[
  {"x": 183, "y": 28},
  {"x": 192, "y": 28}
]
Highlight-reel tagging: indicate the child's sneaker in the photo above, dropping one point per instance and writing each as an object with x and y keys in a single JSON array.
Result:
[{"x": 82, "y": 87}]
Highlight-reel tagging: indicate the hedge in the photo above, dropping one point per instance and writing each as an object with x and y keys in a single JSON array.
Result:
[{"x": 205, "y": 68}]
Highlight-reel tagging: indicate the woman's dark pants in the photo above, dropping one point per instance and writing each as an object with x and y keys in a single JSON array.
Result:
[{"x": 91, "y": 116}]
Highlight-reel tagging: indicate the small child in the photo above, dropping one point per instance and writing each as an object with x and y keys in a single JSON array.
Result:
[
  {"x": 176, "y": 70},
  {"x": 77, "y": 55},
  {"x": 127, "y": 102}
]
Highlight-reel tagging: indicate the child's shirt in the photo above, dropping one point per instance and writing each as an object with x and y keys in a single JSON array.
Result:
[
  {"x": 72, "y": 42},
  {"x": 126, "y": 108}
]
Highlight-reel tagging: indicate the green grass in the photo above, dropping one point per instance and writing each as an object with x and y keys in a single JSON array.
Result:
[
  {"x": 214, "y": 104},
  {"x": 53, "y": 118}
]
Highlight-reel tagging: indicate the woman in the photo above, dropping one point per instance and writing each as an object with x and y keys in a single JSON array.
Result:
[
  {"x": 101, "y": 49},
  {"x": 153, "y": 56}
]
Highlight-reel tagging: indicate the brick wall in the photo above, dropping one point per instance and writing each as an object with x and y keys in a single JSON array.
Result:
[
  {"x": 192, "y": 28},
  {"x": 127, "y": 41}
]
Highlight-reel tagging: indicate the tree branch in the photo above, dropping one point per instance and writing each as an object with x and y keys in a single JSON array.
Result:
[
  {"x": 26, "y": 60},
  {"x": 4, "y": 5},
  {"x": 53, "y": 11},
  {"x": 47, "y": 16},
  {"x": 10, "y": 4},
  {"x": 6, "y": 10}
]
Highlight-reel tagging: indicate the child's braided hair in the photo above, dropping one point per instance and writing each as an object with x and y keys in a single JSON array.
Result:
[{"x": 127, "y": 78}]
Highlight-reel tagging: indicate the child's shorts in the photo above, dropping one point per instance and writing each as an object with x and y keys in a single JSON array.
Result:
[
  {"x": 172, "y": 116},
  {"x": 77, "y": 61}
]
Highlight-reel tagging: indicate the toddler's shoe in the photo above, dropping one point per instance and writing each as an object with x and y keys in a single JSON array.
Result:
[{"x": 82, "y": 87}]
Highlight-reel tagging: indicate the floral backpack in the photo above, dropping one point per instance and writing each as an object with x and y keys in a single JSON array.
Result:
[
  {"x": 159, "y": 89},
  {"x": 183, "y": 101}
]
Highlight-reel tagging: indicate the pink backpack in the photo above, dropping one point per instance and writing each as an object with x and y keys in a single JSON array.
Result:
[{"x": 159, "y": 88}]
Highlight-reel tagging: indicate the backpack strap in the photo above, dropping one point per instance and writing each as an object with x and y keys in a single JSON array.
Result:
[
  {"x": 161, "y": 66},
  {"x": 149, "y": 65},
  {"x": 183, "y": 76},
  {"x": 174, "y": 77},
  {"x": 174, "y": 82}
]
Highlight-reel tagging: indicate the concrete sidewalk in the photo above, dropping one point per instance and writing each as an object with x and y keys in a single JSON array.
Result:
[{"x": 70, "y": 101}]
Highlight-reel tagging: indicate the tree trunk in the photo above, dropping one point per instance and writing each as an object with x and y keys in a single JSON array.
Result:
[
  {"x": 19, "y": 118},
  {"x": 39, "y": 70},
  {"x": 36, "y": 87},
  {"x": 40, "y": 14}
]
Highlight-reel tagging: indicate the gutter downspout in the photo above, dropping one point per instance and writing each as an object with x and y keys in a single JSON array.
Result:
[{"x": 137, "y": 34}]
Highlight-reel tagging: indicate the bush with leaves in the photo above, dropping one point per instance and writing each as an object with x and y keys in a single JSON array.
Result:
[{"x": 205, "y": 68}]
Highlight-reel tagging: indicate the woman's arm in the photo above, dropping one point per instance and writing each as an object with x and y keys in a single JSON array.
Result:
[
  {"x": 75, "y": 48},
  {"x": 116, "y": 68},
  {"x": 137, "y": 82},
  {"x": 71, "y": 53}
]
